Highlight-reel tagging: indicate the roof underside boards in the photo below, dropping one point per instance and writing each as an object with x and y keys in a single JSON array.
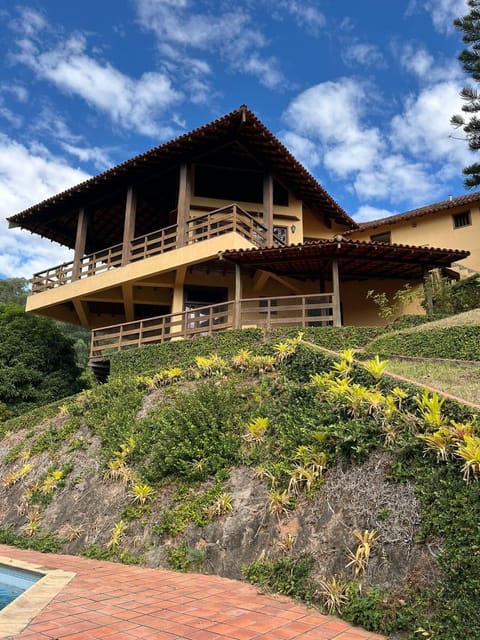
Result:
[
  {"x": 444, "y": 205},
  {"x": 356, "y": 259},
  {"x": 56, "y": 217}
]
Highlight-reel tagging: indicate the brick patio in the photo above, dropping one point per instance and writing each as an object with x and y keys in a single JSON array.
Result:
[{"x": 110, "y": 601}]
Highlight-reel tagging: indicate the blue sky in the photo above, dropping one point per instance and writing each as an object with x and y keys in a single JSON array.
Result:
[{"x": 360, "y": 92}]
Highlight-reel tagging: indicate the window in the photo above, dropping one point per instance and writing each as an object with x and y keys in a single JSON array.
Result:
[
  {"x": 461, "y": 220},
  {"x": 382, "y": 237},
  {"x": 280, "y": 233}
]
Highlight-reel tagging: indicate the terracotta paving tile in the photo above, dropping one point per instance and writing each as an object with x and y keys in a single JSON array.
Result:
[{"x": 108, "y": 601}]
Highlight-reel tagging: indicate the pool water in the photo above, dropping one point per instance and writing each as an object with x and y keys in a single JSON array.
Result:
[{"x": 13, "y": 582}]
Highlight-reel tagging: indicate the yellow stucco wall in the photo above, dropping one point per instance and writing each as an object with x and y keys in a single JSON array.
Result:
[{"x": 436, "y": 230}]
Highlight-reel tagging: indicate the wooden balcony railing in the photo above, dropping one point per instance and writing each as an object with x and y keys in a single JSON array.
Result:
[
  {"x": 287, "y": 311},
  {"x": 231, "y": 218}
]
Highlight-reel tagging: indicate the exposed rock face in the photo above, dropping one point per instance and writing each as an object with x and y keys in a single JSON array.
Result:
[{"x": 85, "y": 510}]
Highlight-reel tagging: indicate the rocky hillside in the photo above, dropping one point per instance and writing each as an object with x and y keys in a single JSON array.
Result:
[{"x": 266, "y": 459}]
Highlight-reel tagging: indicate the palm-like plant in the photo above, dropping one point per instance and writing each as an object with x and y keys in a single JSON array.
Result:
[
  {"x": 333, "y": 593},
  {"x": 430, "y": 407},
  {"x": 256, "y": 430},
  {"x": 141, "y": 493},
  {"x": 469, "y": 450},
  {"x": 376, "y": 367}
]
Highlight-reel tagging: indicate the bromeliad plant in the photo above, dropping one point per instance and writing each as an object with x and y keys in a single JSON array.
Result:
[{"x": 359, "y": 559}]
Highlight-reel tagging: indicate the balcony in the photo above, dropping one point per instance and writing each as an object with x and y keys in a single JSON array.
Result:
[
  {"x": 266, "y": 313},
  {"x": 231, "y": 218}
]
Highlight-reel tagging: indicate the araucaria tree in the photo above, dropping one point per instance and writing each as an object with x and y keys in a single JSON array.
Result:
[{"x": 470, "y": 59}]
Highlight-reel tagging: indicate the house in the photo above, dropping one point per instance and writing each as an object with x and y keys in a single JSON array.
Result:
[
  {"x": 221, "y": 227},
  {"x": 450, "y": 223}
]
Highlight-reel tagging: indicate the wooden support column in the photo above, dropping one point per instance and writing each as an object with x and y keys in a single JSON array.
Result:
[
  {"x": 427, "y": 288},
  {"x": 183, "y": 205},
  {"x": 237, "y": 319},
  {"x": 128, "y": 305},
  {"x": 129, "y": 225},
  {"x": 268, "y": 206},
  {"x": 337, "y": 312},
  {"x": 80, "y": 243}
]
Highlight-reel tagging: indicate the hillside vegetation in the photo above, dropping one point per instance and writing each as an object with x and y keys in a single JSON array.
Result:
[{"x": 266, "y": 458}]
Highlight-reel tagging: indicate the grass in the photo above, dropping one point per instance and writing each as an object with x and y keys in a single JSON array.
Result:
[{"x": 461, "y": 380}]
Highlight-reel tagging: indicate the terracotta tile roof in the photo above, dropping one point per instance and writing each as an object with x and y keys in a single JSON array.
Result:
[
  {"x": 357, "y": 259},
  {"x": 241, "y": 125},
  {"x": 451, "y": 203}
]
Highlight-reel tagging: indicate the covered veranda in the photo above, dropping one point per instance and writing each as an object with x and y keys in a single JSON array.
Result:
[{"x": 332, "y": 277}]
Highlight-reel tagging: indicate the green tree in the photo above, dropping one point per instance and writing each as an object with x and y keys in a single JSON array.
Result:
[
  {"x": 37, "y": 362},
  {"x": 470, "y": 59},
  {"x": 14, "y": 291}
]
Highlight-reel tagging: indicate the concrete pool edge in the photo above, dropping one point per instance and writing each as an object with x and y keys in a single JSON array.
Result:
[{"x": 19, "y": 613}]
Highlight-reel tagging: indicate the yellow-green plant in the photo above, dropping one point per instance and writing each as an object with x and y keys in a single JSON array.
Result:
[
  {"x": 33, "y": 522},
  {"x": 359, "y": 559},
  {"x": 439, "y": 441},
  {"x": 51, "y": 481},
  {"x": 343, "y": 368},
  {"x": 242, "y": 359},
  {"x": 279, "y": 502},
  {"x": 117, "y": 535},
  {"x": 172, "y": 375},
  {"x": 223, "y": 504},
  {"x": 309, "y": 466},
  {"x": 256, "y": 430},
  {"x": 117, "y": 469},
  {"x": 264, "y": 472},
  {"x": 263, "y": 364},
  {"x": 375, "y": 367},
  {"x": 333, "y": 594},
  {"x": 285, "y": 350},
  {"x": 430, "y": 407},
  {"x": 469, "y": 451},
  {"x": 209, "y": 365},
  {"x": 287, "y": 542},
  {"x": 141, "y": 493}
]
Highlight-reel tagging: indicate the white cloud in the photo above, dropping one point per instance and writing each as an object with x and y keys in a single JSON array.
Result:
[
  {"x": 228, "y": 34},
  {"x": 96, "y": 155},
  {"x": 405, "y": 159},
  {"x": 444, "y": 13},
  {"x": 304, "y": 150},
  {"x": 28, "y": 176},
  {"x": 365, "y": 213},
  {"x": 416, "y": 60},
  {"x": 362, "y": 54},
  {"x": 331, "y": 113},
  {"x": 307, "y": 16},
  {"x": 423, "y": 128},
  {"x": 132, "y": 103}
]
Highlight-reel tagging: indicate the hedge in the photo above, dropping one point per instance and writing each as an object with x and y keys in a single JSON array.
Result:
[
  {"x": 461, "y": 342},
  {"x": 182, "y": 353}
]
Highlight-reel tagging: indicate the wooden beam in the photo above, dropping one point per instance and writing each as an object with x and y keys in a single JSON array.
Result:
[
  {"x": 337, "y": 310},
  {"x": 129, "y": 224},
  {"x": 259, "y": 280},
  {"x": 268, "y": 206},
  {"x": 80, "y": 243},
  {"x": 81, "y": 310},
  {"x": 287, "y": 283},
  {"x": 183, "y": 206}
]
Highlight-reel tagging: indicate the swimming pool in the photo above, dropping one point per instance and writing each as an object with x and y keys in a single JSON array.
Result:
[{"x": 13, "y": 582}]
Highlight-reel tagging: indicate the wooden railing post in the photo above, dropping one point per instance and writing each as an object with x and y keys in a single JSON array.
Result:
[{"x": 237, "y": 321}]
